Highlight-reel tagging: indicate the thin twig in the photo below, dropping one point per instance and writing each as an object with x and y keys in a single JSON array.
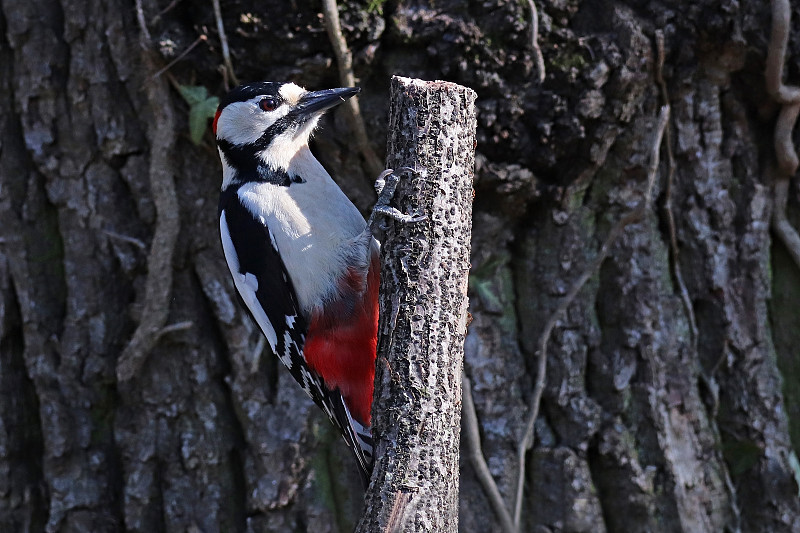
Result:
[
  {"x": 472, "y": 438},
  {"x": 166, "y": 10},
  {"x": 223, "y": 39},
  {"x": 635, "y": 215},
  {"x": 125, "y": 238},
  {"x": 537, "y": 51},
  {"x": 344, "y": 59},
  {"x": 158, "y": 285},
  {"x": 177, "y": 326},
  {"x": 780, "y": 223},
  {"x": 785, "y": 153},
  {"x": 776, "y": 55},
  {"x": 673, "y": 234},
  {"x": 144, "y": 37},
  {"x": 255, "y": 359},
  {"x": 784, "y": 147},
  {"x": 181, "y": 56}
]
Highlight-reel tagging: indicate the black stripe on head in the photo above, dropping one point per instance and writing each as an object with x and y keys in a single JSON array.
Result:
[
  {"x": 279, "y": 126},
  {"x": 245, "y": 92}
]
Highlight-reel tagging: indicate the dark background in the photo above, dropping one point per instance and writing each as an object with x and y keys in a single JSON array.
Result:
[{"x": 644, "y": 426}]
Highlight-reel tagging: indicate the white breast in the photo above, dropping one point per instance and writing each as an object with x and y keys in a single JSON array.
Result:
[{"x": 318, "y": 231}]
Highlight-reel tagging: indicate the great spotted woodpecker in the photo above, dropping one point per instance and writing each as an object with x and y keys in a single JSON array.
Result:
[{"x": 301, "y": 255}]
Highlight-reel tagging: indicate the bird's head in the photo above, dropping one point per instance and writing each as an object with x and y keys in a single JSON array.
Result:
[{"x": 268, "y": 123}]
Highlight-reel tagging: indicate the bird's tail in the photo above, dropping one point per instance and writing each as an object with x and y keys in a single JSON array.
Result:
[{"x": 358, "y": 437}]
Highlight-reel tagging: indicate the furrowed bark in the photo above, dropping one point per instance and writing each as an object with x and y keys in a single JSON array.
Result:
[
  {"x": 672, "y": 395},
  {"x": 416, "y": 413}
]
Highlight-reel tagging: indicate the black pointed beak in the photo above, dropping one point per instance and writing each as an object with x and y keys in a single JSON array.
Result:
[{"x": 318, "y": 101}]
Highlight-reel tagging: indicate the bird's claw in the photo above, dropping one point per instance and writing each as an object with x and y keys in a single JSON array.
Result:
[{"x": 385, "y": 186}]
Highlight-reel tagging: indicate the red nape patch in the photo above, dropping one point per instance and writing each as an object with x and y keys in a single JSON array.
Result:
[{"x": 214, "y": 124}]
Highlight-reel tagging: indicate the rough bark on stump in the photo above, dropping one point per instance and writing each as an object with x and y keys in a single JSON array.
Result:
[{"x": 423, "y": 311}]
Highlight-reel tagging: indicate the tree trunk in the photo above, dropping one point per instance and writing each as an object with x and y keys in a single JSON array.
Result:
[
  {"x": 423, "y": 311},
  {"x": 670, "y": 401}
]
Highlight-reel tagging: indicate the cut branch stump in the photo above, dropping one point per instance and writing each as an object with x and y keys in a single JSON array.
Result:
[{"x": 423, "y": 313}]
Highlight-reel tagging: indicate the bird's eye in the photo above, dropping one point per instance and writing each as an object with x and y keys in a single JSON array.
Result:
[{"x": 268, "y": 104}]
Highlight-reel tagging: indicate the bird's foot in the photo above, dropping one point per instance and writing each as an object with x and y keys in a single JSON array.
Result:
[{"x": 385, "y": 186}]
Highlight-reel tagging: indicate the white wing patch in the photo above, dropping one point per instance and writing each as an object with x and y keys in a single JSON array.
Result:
[
  {"x": 252, "y": 281},
  {"x": 246, "y": 284}
]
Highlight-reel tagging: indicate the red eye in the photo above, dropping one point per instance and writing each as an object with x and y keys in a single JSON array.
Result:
[{"x": 268, "y": 104}]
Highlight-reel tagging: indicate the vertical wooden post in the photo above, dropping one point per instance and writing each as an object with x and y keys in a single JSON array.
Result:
[{"x": 425, "y": 265}]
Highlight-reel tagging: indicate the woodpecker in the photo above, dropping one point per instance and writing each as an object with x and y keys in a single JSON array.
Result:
[{"x": 302, "y": 257}]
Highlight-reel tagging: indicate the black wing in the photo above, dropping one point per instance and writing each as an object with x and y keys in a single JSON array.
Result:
[{"x": 263, "y": 283}]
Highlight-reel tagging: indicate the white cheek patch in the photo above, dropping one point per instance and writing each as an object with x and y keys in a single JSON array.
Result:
[
  {"x": 245, "y": 122},
  {"x": 291, "y": 93},
  {"x": 284, "y": 148}
]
